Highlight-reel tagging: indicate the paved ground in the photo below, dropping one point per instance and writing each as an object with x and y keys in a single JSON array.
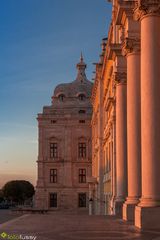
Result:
[
  {"x": 6, "y": 215},
  {"x": 74, "y": 227}
]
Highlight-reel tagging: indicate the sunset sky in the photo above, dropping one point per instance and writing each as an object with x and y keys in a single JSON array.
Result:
[{"x": 40, "y": 44}]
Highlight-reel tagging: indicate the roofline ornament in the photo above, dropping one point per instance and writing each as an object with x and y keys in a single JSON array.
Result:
[{"x": 81, "y": 66}]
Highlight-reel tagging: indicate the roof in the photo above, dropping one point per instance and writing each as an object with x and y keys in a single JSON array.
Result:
[{"x": 80, "y": 85}]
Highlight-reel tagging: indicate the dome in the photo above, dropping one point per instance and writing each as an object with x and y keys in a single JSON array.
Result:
[{"x": 79, "y": 86}]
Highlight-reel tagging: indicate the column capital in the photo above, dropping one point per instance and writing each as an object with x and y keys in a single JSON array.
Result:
[
  {"x": 130, "y": 45},
  {"x": 120, "y": 77},
  {"x": 146, "y": 7}
]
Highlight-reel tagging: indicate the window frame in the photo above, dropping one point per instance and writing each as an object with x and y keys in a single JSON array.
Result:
[
  {"x": 82, "y": 97},
  {"x": 61, "y": 97},
  {"x": 82, "y": 150},
  {"x": 82, "y": 121},
  {"x": 82, "y": 111},
  {"x": 53, "y": 202},
  {"x": 53, "y": 149},
  {"x": 82, "y": 204},
  {"x": 82, "y": 175},
  {"x": 53, "y": 175}
]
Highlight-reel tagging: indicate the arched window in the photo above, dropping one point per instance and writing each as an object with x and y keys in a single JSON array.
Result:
[
  {"x": 81, "y": 97},
  {"x": 61, "y": 97}
]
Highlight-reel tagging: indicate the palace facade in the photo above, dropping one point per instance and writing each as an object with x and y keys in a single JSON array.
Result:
[
  {"x": 65, "y": 155},
  {"x": 126, "y": 116},
  {"x": 124, "y": 147}
]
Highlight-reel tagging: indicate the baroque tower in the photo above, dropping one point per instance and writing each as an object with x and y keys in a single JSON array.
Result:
[{"x": 64, "y": 157}]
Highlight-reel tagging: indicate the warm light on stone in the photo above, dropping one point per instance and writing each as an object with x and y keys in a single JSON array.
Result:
[
  {"x": 121, "y": 137},
  {"x": 126, "y": 115}
]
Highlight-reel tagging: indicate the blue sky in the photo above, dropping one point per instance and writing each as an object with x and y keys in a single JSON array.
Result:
[{"x": 40, "y": 44}]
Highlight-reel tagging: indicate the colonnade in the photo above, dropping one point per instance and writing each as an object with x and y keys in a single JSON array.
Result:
[{"x": 142, "y": 203}]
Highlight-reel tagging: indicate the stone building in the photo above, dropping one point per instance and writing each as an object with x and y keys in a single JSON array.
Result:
[
  {"x": 126, "y": 116},
  {"x": 103, "y": 136},
  {"x": 125, "y": 126},
  {"x": 110, "y": 167},
  {"x": 65, "y": 153}
]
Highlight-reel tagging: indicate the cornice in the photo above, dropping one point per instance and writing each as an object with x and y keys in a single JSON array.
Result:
[
  {"x": 146, "y": 7},
  {"x": 121, "y": 8}
]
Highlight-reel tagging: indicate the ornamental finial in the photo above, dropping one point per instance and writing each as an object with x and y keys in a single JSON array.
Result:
[
  {"x": 81, "y": 58},
  {"x": 81, "y": 66}
]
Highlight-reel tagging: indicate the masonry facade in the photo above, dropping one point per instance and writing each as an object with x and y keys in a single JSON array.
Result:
[
  {"x": 126, "y": 116},
  {"x": 65, "y": 150}
]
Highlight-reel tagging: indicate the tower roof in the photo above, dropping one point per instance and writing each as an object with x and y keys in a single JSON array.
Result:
[{"x": 80, "y": 84}]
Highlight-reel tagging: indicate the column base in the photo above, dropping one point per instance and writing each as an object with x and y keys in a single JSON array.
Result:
[
  {"x": 129, "y": 212},
  {"x": 147, "y": 217},
  {"x": 129, "y": 208}
]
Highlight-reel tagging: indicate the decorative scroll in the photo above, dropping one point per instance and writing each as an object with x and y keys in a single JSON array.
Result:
[
  {"x": 144, "y": 7},
  {"x": 120, "y": 77},
  {"x": 130, "y": 45}
]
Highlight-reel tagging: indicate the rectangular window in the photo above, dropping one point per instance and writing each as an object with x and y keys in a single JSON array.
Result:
[
  {"x": 53, "y": 200},
  {"x": 82, "y": 200},
  {"x": 82, "y": 150},
  {"x": 82, "y": 175},
  {"x": 81, "y": 121},
  {"x": 53, "y": 150},
  {"x": 53, "y": 175},
  {"x": 53, "y": 121}
]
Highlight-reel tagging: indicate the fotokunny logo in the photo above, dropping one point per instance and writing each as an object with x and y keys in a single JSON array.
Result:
[{"x": 6, "y": 236}]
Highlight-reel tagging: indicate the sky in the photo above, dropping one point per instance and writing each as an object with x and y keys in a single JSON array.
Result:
[{"x": 40, "y": 44}]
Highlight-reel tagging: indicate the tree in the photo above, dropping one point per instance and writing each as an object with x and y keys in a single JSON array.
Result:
[
  {"x": 1, "y": 196},
  {"x": 18, "y": 191}
]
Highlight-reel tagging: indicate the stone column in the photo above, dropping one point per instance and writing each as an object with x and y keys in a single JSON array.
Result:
[
  {"x": 121, "y": 141},
  {"x": 147, "y": 213},
  {"x": 131, "y": 49}
]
